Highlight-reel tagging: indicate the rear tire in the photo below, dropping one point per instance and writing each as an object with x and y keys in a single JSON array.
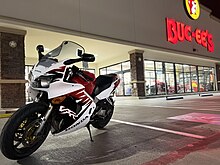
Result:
[
  {"x": 17, "y": 139},
  {"x": 103, "y": 114}
]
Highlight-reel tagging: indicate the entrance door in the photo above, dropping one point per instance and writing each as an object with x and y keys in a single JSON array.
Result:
[{"x": 127, "y": 83}]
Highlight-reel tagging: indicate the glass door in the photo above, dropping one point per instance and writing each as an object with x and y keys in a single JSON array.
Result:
[
  {"x": 170, "y": 78},
  {"x": 120, "y": 88},
  {"x": 127, "y": 84},
  {"x": 160, "y": 80},
  {"x": 187, "y": 78},
  {"x": 149, "y": 77},
  {"x": 194, "y": 77},
  {"x": 179, "y": 78}
]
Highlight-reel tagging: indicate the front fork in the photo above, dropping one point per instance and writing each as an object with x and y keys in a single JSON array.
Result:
[{"x": 44, "y": 119}]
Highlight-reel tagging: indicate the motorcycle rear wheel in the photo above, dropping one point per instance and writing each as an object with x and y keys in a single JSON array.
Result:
[
  {"x": 104, "y": 114},
  {"x": 18, "y": 139}
]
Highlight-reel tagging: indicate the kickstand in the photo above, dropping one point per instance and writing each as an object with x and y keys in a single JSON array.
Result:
[{"x": 88, "y": 127}]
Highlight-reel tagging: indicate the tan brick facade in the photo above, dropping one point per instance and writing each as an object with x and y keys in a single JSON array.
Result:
[
  {"x": 12, "y": 67},
  {"x": 137, "y": 73}
]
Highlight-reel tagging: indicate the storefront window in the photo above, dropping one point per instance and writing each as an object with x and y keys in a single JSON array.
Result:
[
  {"x": 149, "y": 65},
  {"x": 170, "y": 78},
  {"x": 206, "y": 79},
  {"x": 212, "y": 80},
  {"x": 194, "y": 77},
  {"x": 120, "y": 88},
  {"x": 126, "y": 66},
  {"x": 103, "y": 71},
  {"x": 179, "y": 78},
  {"x": 150, "y": 77},
  {"x": 187, "y": 78},
  {"x": 114, "y": 69},
  {"x": 160, "y": 80},
  {"x": 202, "y": 82},
  {"x": 127, "y": 83}
]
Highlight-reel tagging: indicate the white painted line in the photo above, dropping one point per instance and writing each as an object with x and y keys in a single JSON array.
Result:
[
  {"x": 185, "y": 108},
  {"x": 161, "y": 129}
]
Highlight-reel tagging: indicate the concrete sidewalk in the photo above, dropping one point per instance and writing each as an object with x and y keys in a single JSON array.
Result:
[
  {"x": 132, "y": 99},
  {"x": 7, "y": 110}
]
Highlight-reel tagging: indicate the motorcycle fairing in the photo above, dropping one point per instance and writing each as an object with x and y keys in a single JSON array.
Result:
[
  {"x": 83, "y": 118},
  {"x": 77, "y": 91},
  {"x": 74, "y": 121},
  {"x": 56, "y": 89},
  {"x": 88, "y": 107},
  {"x": 44, "y": 66},
  {"x": 59, "y": 88}
]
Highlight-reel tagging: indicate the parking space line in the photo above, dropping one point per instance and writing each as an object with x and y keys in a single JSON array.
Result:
[
  {"x": 186, "y": 108},
  {"x": 179, "y": 107},
  {"x": 161, "y": 129}
]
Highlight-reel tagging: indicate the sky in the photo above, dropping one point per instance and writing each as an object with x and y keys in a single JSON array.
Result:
[{"x": 214, "y": 5}]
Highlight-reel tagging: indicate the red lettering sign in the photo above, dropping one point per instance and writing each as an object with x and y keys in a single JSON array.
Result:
[
  {"x": 171, "y": 31},
  {"x": 179, "y": 32}
]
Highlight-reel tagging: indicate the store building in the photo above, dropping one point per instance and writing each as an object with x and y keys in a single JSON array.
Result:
[{"x": 166, "y": 47}]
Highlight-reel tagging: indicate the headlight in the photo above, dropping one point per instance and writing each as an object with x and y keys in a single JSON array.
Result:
[
  {"x": 45, "y": 82},
  {"x": 41, "y": 82}
]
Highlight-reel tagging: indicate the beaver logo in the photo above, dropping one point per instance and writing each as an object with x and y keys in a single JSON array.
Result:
[{"x": 193, "y": 8}]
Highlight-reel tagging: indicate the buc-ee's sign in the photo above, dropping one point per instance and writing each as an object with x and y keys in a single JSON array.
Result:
[
  {"x": 192, "y": 8},
  {"x": 179, "y": 32}
]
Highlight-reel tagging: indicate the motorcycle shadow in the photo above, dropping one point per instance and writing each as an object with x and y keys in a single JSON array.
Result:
[
  {"x": 30, "y": 160},
  {"x": 115, "y": 143}
]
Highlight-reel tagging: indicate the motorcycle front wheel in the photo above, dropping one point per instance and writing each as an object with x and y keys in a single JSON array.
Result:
[{"x": 18, "y": 138}]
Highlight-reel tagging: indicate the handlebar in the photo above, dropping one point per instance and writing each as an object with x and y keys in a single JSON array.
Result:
[
  {"x": 71, "y": 61},
  {"x": 84, "y": 57}
]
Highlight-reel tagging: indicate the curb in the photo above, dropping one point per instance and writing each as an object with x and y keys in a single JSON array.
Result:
[
  {"x": 6, "y": 115},
  {"x": 174, "y": 98}
]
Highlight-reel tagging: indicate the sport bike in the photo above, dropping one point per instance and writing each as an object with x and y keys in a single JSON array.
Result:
[{"x": 65, "y": 99}]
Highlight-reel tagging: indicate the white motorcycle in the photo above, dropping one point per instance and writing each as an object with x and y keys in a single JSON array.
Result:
[{"x": 65, "y": 100}]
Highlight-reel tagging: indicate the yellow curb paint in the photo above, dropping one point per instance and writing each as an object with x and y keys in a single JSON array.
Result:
[{"x": 5, "y": 115}]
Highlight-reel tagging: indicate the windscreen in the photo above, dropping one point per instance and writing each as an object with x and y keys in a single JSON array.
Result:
[{"x": 67, "y": 50}]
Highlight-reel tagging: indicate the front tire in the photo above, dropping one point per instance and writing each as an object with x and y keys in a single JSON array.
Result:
[{"x": 18, "y": 139}]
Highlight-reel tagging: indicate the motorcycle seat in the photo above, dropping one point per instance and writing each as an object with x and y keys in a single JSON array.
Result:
[{"x": 103, "y": 82}]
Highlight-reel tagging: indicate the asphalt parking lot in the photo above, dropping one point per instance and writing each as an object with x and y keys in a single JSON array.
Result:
[{"x": 142, "y": 132}]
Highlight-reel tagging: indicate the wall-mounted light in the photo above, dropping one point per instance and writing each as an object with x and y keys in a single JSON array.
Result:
[{"x": 13, "y": 44}]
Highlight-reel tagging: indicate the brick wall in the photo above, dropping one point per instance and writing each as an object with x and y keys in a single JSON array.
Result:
[
  {"x": 137, "y": 73},
  {"x": 12, "y": 67}
]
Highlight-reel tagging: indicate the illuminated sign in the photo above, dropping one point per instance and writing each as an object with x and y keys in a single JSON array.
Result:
[
  {"x": 192, "y": 8},
  {"x": 179, "y": 32}
]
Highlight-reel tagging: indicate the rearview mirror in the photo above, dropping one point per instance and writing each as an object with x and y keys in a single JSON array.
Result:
[
  {"x": 40, "y": 48},
  {"x": 88, "y": 57}
]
